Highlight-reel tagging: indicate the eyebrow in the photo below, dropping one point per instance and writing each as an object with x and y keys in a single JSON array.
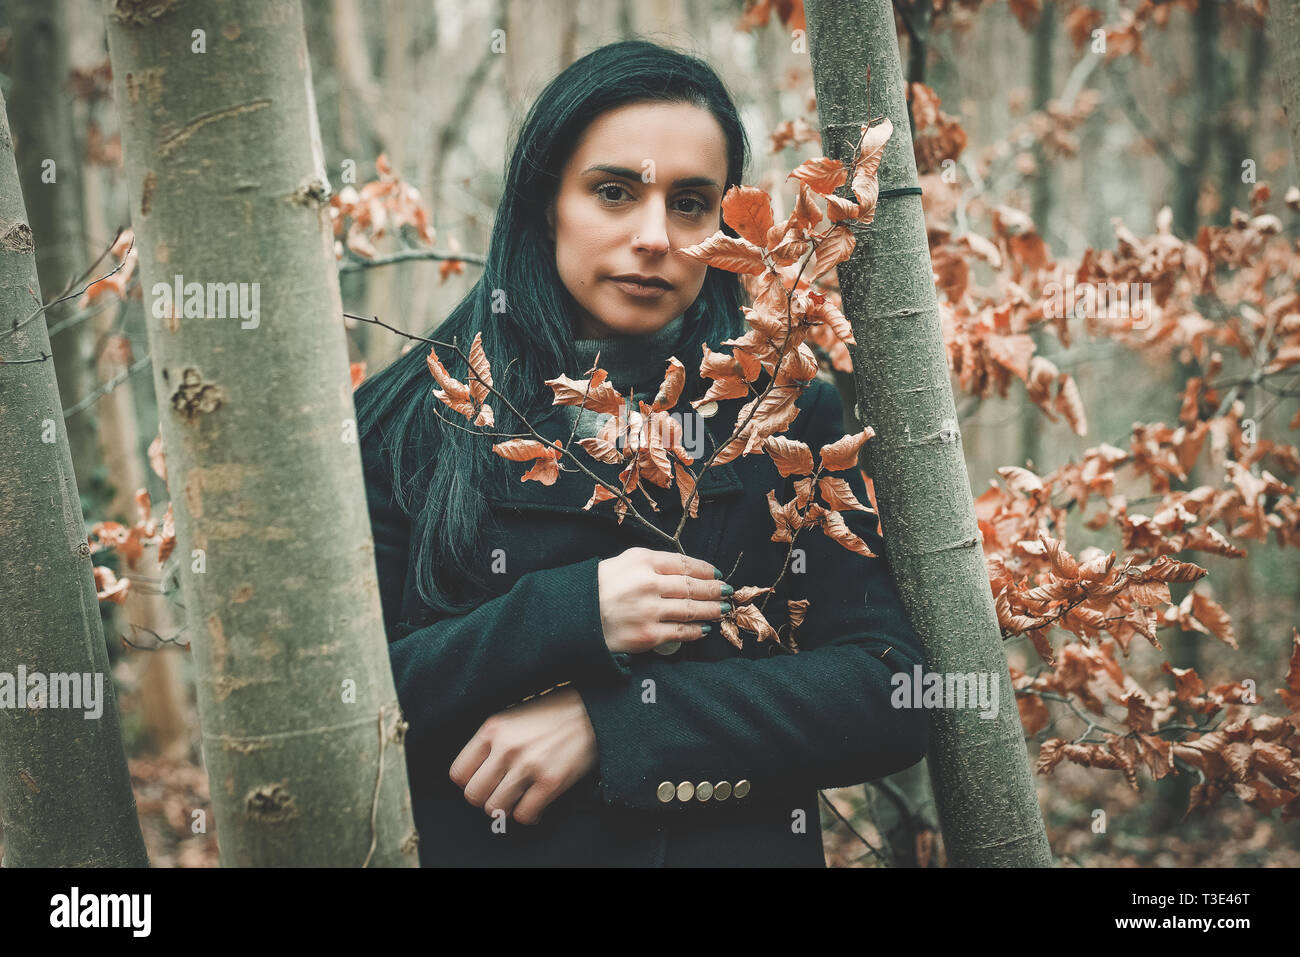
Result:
[{"x": 626, "y": 173}]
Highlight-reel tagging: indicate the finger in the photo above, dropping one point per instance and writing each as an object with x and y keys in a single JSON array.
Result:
[
  {"x": 543, "y": 793},
  {"x": 534, "y": 801},
  {"x": 681, "y": 610},
  {"x": 507, "y": 793},
  {"x": 675, "y": 563},
  {"x": 683, "y": 586},
  {"x": 675, "y": 632},
  {"x": 468, "y": 761},
  {"x": 485, "y": 781}
]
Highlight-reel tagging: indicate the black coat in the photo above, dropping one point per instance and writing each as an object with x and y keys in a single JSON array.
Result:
[{"x": 787, "y": 724}]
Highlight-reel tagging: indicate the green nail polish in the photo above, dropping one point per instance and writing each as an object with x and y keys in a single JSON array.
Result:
[
  {"x": 726, "y": 608},
  {"x": 717, "y": 575},
  {"x": 706, "y": 628},
  {"x": 727, "y": 590}
]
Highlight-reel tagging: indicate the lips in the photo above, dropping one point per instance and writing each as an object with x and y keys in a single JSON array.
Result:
[
  {"x": 638, "y": 290},
  {"x": 653, "y": 281}
]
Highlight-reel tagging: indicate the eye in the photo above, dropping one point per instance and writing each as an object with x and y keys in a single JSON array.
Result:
[
  {"x": 600, "y": 190},
  {"x": 701, "y": 206},
  {"x": 697, "y": 206}
]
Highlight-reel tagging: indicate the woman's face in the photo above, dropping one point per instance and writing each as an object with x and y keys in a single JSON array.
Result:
[{"x": 644, "y": 181}]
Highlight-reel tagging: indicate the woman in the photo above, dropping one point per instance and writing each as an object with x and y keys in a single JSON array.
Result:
[{"x": 664, "y": 745}]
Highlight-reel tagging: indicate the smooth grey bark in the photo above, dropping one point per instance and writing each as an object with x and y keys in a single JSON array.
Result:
[
  {"x": 302, "y": 732},
  {"x": 901, "y": 804},
  {"x": 43, "y": 127},
  {"x": 1284, "y": 25},
  {"x": 65, "y": 794},
  {"x": 988, "y": 807}
]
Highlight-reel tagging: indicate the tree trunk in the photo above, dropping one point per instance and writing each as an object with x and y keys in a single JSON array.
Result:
[
  {"x": 979, "y": 767},
  {"x": 65, "y": 794},
  {"x": 1184, "y": 647},
  {"x": 388, "y": 290},
  {"x": 920, "y": 15},
  {"x": 1041, "y": 80},
  {"x": 1284, "y": 24},
  {"x": 902, "y": 809},
  {"x": 901, "y": 804},
  {"x": 358, "y": 93},
  {"x": 1200, "y": 137},
  {"x": 49, "y": 170},
  {"x": 163, "y": 710},
  {"x": 302, "y": 731},
  {"x": 163, "y": 694},
  {"x": 1238, "y": 124},
  {"x": 541, "y": 40},
  {"x": 164, "y": 715}
]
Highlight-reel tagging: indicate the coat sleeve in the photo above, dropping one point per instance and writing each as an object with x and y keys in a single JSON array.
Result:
[
  {"x": 815, "y": 719},
  {"x": 454, "y": 672}
]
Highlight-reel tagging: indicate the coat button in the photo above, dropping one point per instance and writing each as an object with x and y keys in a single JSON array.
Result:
[
  {"x": 722, "y": 790},
  {"x": 708, "y": 409},
  {"x": 703, "y": 791},
  {"x": 685, "y": 790},
  {"x": 666, "y": 791},
  {"x": 668, "y": 647},
  {"x": 742, "y": 788}
]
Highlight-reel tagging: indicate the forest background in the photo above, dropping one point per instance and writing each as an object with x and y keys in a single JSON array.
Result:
[{"x": 1049, "y": 135}]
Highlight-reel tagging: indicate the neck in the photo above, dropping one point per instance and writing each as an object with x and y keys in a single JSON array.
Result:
[{"x": 633, "y": 362}]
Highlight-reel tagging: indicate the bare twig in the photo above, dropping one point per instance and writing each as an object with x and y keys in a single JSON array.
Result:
[
  {"x": 650, "y": 526},
  {"x": 84, "y": 403},
  {"x": 851, "y": 828},
  {"x": 357, "y": 264},
  {"x": 62, "y": 298},
  {"x": 161, "y": 640}
]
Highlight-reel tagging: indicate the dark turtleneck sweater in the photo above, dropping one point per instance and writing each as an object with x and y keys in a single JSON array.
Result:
[{"x": 634, "y": 363}]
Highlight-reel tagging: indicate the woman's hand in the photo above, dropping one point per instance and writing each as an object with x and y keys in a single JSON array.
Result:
[
  {"x": 523, "y": 758},
  {"x": 650, "y": 598}
]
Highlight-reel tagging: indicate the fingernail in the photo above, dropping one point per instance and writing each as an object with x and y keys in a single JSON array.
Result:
[
  {"x": 726, "y": 608},
  {"x": 727, "y": 590},
  {"x": 706, "y": 628},
  {"x": 717, "y": 575}
]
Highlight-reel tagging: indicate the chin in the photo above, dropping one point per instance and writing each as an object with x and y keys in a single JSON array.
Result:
[
  {"x": 638, "y": 326},
  {"x": 643, "y": 328}
]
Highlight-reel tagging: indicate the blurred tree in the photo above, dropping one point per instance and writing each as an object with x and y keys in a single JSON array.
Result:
[
  {"x": 49, "y": 169},
  {"x": 1284, "y": 25}
]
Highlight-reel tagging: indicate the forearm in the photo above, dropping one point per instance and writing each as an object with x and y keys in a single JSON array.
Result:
[
  {"x": 816, "y": 719},
  {"x": 452, "y": 672},
  {"x": 545, "y": 630}
]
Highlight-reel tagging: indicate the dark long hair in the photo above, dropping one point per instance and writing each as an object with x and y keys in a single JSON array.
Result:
[{"x": 444, "y": 477}]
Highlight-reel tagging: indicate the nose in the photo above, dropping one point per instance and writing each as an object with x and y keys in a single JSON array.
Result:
[{"x": 652, "y": 234}]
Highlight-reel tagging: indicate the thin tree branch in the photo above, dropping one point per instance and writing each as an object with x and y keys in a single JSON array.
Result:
[
  {"x": 1172, "y": 154},
  {"x": 82, "y": 404},
  {"x": 54, "y": 302},
  {"x": 355, "y": 263},
  {"x": 674, "y": 541},
  {"x": 851, "y": 828}
]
